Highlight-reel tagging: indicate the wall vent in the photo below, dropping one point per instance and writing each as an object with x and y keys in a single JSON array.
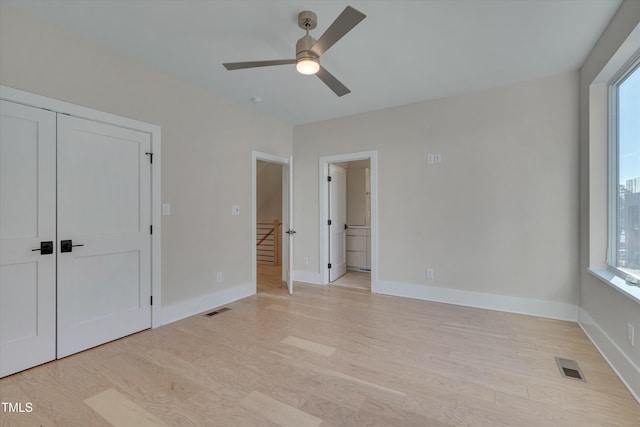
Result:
[
  {"x": 570, "y": 369},
  {"x": 218, "y": 311}
]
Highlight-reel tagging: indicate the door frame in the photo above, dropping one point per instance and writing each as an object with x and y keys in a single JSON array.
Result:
[
  {"x": 324, "y": 162},
  {"x": 43, "y": 102},
  {"x": 284, "y": 162}
]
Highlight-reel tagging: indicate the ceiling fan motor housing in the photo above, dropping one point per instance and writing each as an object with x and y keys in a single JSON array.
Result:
[{"x": 303, "y": 48}]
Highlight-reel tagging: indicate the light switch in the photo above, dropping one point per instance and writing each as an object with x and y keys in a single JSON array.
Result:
[
  {"x": 235, "y": 210},
  {"x": 166, "y": 209},
  {"x": 430, "y": 159},
  {"x": 437, "y": 158}
]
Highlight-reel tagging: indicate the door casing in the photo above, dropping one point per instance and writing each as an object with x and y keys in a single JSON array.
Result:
[{"x": 324, "y": 162}]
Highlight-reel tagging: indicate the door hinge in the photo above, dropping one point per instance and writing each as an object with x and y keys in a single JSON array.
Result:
[
  {"x": 329, "y": 222},
  {"x": 328, "y": 179},
  {"x": 151, "y": 300},
  {"x": 329, "y": 265},
  {"x": 151, "y": 229},
  {"x": 150, "y": 157}
]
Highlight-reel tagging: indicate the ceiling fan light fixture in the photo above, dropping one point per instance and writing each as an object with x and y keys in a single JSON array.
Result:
[
  {"x": 309, "y": 50},
  {"x": 308, "y": 66}
]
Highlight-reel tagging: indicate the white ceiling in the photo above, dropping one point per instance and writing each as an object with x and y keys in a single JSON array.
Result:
[{"x": 403, "y": 52}]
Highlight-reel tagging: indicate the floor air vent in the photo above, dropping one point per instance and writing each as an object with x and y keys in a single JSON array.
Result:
[
  {"x": 220, "y": 310},
  {"x": 569, "y": 369}
]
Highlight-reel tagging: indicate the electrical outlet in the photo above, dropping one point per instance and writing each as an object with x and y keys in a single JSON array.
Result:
[
  {"x": 429, "y": 273},
  {"x": 305, "y": 260},
  {"x": 235, "y": 210},
  {"x": 631, "y": 334},
  {"x": 430, "y": 159},
  {"x": 219, "y": 277}
]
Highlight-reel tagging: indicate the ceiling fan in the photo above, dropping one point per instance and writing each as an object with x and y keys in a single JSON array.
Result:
[{"x": 308, "y": 50}]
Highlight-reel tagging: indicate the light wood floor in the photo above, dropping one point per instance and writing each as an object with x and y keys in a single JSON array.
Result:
[
  {"x": 355, "y": 279},
  {"x": 269, "y": 279},
  {"x": 330, "y": 356}
]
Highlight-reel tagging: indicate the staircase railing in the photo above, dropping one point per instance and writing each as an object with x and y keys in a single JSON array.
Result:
[{"x": 268, "y": 242}]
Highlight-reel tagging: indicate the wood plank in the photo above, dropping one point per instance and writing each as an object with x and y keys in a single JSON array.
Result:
[
  {"x": 120, "y": 411},
  {"x": 278, "y": 412},
  {"x": 307, "y": 345}
]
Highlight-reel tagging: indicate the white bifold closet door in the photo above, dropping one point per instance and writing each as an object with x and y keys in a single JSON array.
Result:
[
  {"x": 104, "y": 219},
  {"x": 27, "y": 218},
  {"x": 75, "y": 242}
]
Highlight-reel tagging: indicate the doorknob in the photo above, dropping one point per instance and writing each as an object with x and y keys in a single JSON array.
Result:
[
  {"x": 67, "y": 245},
  {"x": 46, "y": 248}
]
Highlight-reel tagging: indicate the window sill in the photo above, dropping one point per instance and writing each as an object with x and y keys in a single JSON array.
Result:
[{"x": 618, "y": 283}]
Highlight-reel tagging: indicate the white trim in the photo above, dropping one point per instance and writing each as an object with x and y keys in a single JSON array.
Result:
[
  {"x": 613, "y": 171},
  {"x": 284, "y": 161},
  {"x": 308, "y": 277},
  {"x": 612, "y": 174},
  {"x": 618, "y": 283},
  {"x": 38, "y": 101},
  {"x": 324, "y": 161},
  {"x": 193, "y": 306},
  {"x": 532, "y": 307},
  {"x": 622, "y": 365}
]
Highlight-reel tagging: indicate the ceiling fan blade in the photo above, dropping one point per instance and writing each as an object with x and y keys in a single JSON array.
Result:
[
  {"x": 254, "y": 64},
  {"x": 344, "y": 23},
  {"x": 333, "y": 83}
]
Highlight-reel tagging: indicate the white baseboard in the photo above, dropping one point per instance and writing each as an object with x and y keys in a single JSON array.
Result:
[
  {"x": 202, "y": 303},
  {"x": 625, "y": 368},
  {"x": 533, "y": 307},
  {"x": 307, "y": 277}
]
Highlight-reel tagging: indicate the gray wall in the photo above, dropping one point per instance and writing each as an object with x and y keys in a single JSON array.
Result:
[
  {"x": 605, "y": 311},
  {"x": 358, "y": 201},
  {"x": 268, "y": 191},
  {"x": 499, "y": 215}
]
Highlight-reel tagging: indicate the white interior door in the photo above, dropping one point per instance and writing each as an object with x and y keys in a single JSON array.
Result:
[
  {"x": 337, "y": 218},
  {"x": 104, "y": 285},
  {"x": 27, "y": 218},
  {"x": 291, "y": 230}
]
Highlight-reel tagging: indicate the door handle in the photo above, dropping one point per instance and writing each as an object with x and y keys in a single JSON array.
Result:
[
  {"x": 290, "y": 231},
  {"x": 46, "y": 248},
  {"x": 67, "y": 245}
]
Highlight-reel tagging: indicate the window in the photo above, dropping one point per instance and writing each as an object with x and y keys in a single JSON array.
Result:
[{"x": 624, "y": 174}]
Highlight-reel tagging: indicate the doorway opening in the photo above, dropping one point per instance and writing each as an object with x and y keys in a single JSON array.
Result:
[
  {"x": 269, "y": 227},
  {"x": 270, "y": 223},
  {"x": 348, "y": 218},
  {"x": 350, "y": 224}
]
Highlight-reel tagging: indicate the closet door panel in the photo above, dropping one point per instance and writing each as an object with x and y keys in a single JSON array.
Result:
[
  {"x": 27, "y": 218},
  {"x": 104, "y": 197}
]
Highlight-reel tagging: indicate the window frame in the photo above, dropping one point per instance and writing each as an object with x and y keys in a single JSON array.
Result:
[{"x": 613, "y": 185}]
